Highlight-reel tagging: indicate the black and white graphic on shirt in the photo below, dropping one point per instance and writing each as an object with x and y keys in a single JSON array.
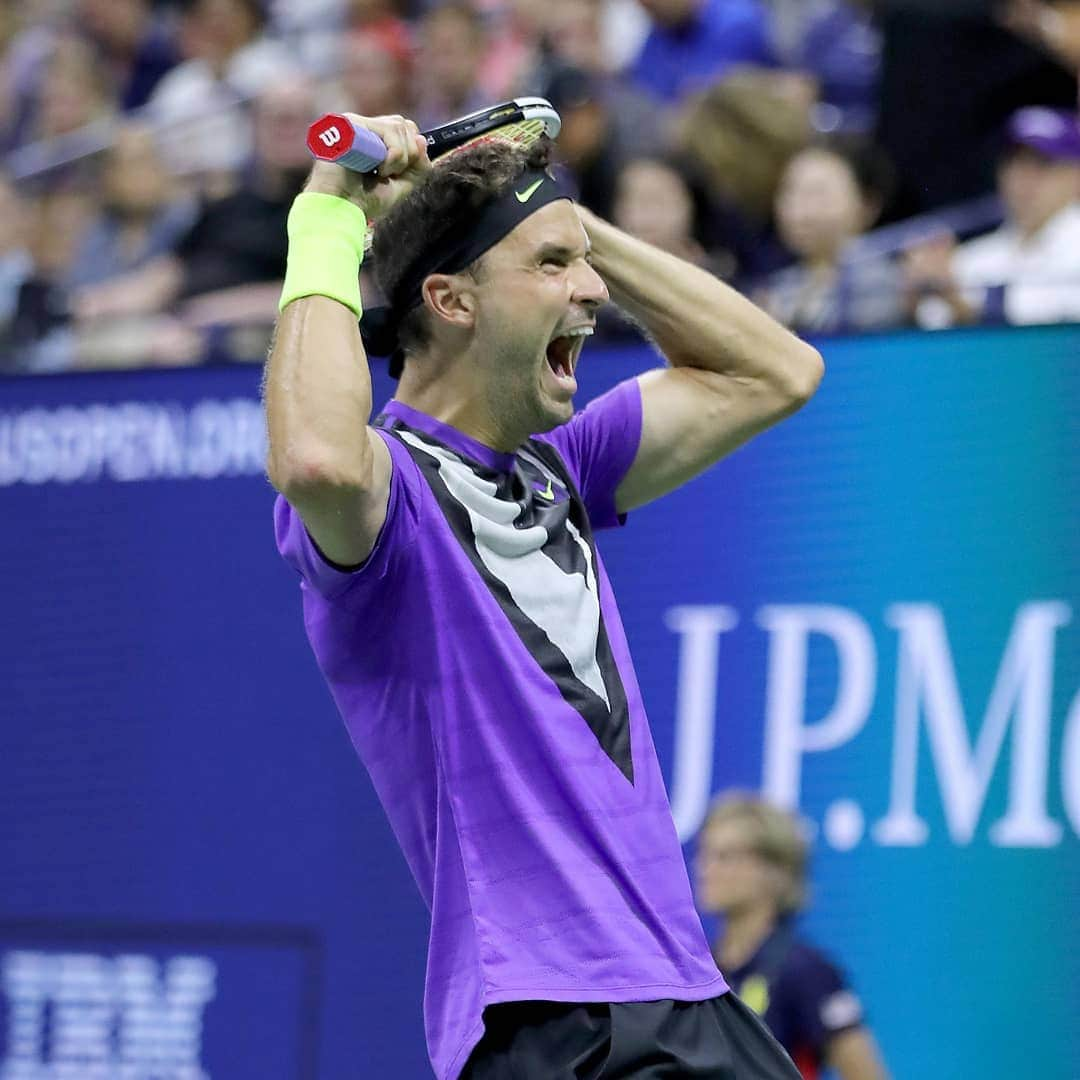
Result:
[{"x": 519, "y": 534}]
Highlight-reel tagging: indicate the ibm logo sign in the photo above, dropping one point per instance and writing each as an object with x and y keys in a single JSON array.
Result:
[{"x": 82, "y": 1016}]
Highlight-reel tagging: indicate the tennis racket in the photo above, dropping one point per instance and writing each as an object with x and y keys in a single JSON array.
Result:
[{"x": 519, "y": 122}]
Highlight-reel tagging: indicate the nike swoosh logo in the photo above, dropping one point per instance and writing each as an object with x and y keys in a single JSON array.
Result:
[
  {"x": 527, "y": 194},
  {"x": 548, "y": 492}
]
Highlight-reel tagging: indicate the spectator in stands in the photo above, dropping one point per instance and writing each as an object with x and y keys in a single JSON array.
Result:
[
  {"x": 227, "y": 270},
  {"x": 603, "y": 123},
  {"x": 529, "y": 38},
  {"x": 828, "y": 197},
  {"x": 72, "y": 93},
  {"x": 40, "y": 335},
  {"x": 9, "y": 26},
  {"x": 517, "y": 30},
  {"x": 28, "y": 43},
  {"x": 602, "y": 37},
  {"x": 1028, "y": 271},
  {"x": 693, "y": 43},
  {"x": 659, "y": 200},
  {"x": 8, "y": 96},
  {"x": 375, "y": 74},
  {"x": 73, "y": 239},
  {"x": 951, "y": 78},
  {"x": 365, "y": 14},
  {"x": 313, "y": 29},
  {"x": 141, "y": 215},
  {"x": 751, "y": 869},
  {"x": 229, "y": 61},
  {"x": 1053, "y": 25},
  {"x": 241, "y": 240},
  {"x": 574, "y": 32},
  {"x": 452, "y": 46},
  {"x": 16, "y": 263},
  {"x": 739, "y": 135},
  {"x": 837, "y": 45},
  {"x": 135, "y": 44},
  {"x": 383, "y": 17}
]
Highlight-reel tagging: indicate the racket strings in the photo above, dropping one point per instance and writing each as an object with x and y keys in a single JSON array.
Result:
[{"x": 523, "y": 134}]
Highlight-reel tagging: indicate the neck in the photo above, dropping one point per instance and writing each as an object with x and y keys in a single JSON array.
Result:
[
  {"x": 744, "y": 931},
  {"x": 448, "y": 398},
  {"x": 1031, "y": 229}
]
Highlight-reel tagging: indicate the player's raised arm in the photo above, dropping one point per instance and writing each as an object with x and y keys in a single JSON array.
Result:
[
  {"x": 734, "y": 370},
  {"x": 322, "y": 456}
]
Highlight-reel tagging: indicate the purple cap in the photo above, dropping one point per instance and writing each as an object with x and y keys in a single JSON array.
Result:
[{"x": 1054, "y": 133}]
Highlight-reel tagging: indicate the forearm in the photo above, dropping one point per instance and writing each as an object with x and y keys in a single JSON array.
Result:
[
  {"x": 695, "y": 319},
  {"x": 318, "y": 388},
  {"x": 943, "y": 305},
  {"x": 318, "y": 396},
  {"x": 854, "y": 1055},
  {"x": 965, "y": 311},
  {"x": 237, "y": 305},
  {"x": 151, "y": 288}
]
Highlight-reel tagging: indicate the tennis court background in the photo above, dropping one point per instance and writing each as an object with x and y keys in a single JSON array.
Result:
[{"x": 843, "y": 610}]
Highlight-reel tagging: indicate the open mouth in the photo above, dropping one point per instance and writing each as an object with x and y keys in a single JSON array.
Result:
[{"x": 564, "y": 351}]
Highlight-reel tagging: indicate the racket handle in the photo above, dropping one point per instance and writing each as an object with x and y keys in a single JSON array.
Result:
[{"x": 336, "y": 138}]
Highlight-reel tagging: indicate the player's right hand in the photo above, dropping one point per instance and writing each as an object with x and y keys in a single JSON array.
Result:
[{"x": 405, "y": 166}]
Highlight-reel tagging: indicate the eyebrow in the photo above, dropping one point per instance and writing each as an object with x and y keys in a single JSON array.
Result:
[{"x": 560, "y": 251}]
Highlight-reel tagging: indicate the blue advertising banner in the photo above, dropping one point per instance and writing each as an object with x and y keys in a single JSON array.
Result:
[
  {"x": 139, "y": 1000},
  {"x": 869, "y": 613}
]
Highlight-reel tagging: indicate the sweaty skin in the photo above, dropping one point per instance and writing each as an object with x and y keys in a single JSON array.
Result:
[{"x": 733, "y": 371}]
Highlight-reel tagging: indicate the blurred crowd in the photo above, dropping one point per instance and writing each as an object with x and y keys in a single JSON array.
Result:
[{"x": 853, "y": 165}]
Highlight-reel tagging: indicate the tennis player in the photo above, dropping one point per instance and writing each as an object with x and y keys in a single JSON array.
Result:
[{"x": 457, "y": 605}]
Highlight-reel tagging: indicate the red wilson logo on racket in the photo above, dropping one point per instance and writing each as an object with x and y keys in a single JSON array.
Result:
[{"x": 330, "y": 137}]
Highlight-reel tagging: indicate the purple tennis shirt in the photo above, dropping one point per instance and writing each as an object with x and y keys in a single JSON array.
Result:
[{"x": 479, "y": 663}]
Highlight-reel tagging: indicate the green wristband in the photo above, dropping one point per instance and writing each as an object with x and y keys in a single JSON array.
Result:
[{"x": 326, "y": 247}]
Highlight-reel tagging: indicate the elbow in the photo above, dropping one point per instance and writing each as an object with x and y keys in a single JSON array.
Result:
[
  {"x": 805, "y": 374},
  {"x": 303, "y": 475}
]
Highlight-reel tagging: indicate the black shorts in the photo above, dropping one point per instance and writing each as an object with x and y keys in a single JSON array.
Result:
[{"x": 718, "y": 1039}]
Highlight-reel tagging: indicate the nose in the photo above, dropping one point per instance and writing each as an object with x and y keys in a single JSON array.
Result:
[{"x": 589, "y": 287}]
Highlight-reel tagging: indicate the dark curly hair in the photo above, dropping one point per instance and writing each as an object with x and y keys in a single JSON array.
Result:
[{"x": 454, "y": 191}]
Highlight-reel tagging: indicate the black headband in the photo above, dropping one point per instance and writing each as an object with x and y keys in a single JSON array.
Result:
[{"x": 453, "y": 251}]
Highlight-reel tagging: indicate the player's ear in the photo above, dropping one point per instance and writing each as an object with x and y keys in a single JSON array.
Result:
[{"x": 448, "y": 297}]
